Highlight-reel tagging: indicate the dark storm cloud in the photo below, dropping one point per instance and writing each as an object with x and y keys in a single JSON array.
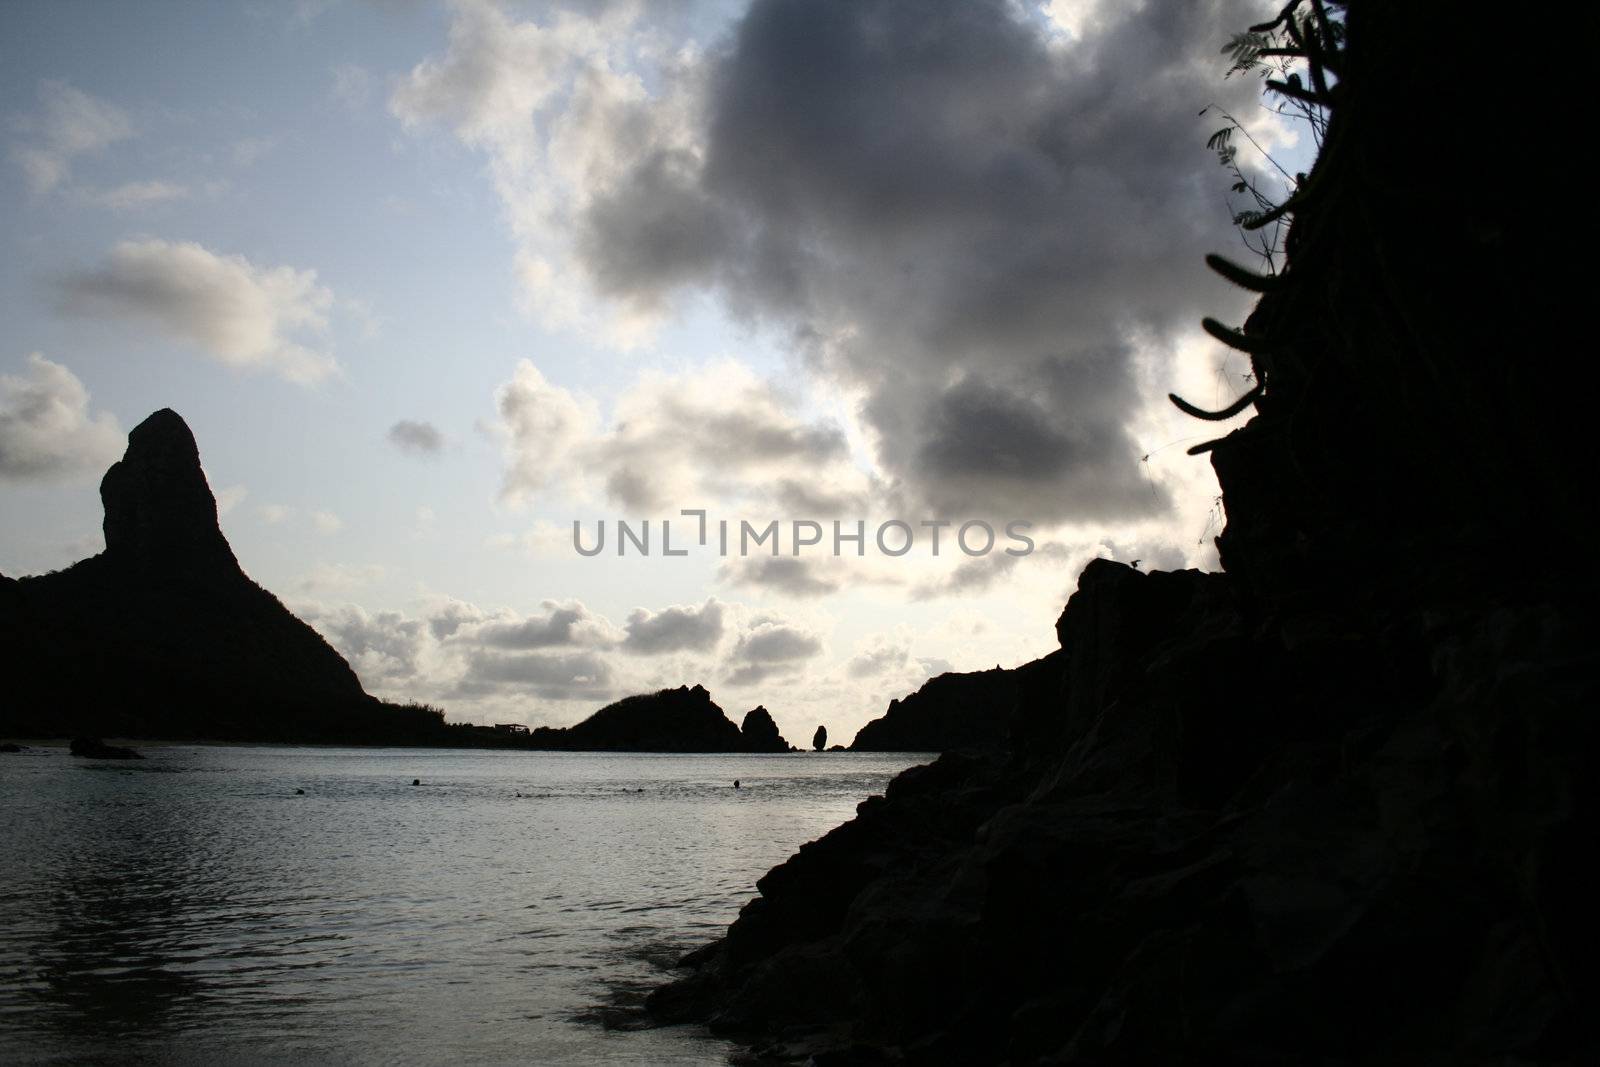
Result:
[
  {"x": 676, "y": 234},
  {"x": 966, "y": 217},
  {"x": 416, "y": 438},
  {"x": 676, "y": 629}
]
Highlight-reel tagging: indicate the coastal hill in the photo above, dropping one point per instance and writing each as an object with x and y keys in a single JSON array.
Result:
[
  {"x": 1332, "y": 804},
  {"x": 163, "y": 635},
  {"x": 671, "y": 720}
]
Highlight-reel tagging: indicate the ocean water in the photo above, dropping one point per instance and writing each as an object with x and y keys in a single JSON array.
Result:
[{"x": 191, "y": 908}]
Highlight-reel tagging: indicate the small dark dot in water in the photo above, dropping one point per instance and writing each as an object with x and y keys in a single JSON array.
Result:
[
  {"x": 299, "y": 792},
  {"x": 416, "y": 781},
  {"x": 736, "y": 783}
]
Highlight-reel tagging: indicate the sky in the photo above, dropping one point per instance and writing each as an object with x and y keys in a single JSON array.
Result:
[{"x": 433, "y": 282}]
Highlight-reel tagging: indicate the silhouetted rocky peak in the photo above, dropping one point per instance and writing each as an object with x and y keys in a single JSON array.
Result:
[
  {"x": 159, "y": 511},
  {"x": 760, "y": 733},
  {"x": 163, "y": 635}
]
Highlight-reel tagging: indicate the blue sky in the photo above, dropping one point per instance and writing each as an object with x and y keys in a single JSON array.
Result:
[{"x": 852, "y": 262}]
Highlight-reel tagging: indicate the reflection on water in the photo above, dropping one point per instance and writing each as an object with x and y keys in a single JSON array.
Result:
[{"x": 192, "y": 907}]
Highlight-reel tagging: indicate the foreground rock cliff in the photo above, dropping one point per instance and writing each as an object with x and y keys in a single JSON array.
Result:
[
  {"x": 162, "y": 635},
  {"x": 1334, "y": 805},
  {"x": 961, "y": 712}
]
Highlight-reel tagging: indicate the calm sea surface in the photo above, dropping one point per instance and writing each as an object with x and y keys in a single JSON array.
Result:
[{"x": 191, "y": 908}]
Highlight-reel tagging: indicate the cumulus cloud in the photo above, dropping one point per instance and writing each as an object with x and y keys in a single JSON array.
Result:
[
  {"x": 673, "y": 440},
  {"x": 231, "y": 310},
  {"x": 70, "y": 123},
  {"x": 569, "y": 623},
  {"x": 46, "y": 428},
  {"x": 416, "y": 438},
  {"x": 878, "y": 659},
  {"x": 384, "y": 648},
  {"x": 326, "y": 522},
  {"x": 770, "y": 647},
  {"x": 684, "y": 627},
  {"x": 448, "y": 617},
  {"x": 544, "y": 427}
]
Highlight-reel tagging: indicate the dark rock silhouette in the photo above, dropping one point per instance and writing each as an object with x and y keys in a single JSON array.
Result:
[
  {"x": 685, "y": 719},
  {"x": 758, "y": 733},
  {"x": 1335, "y": 804},
  {"x": 162, "y": 635},
  {"x": 9, "y": 747},
  {"x": 819, "y": 740},
  {"x": 94, "y": 748},
  {"x": 959, "y": 711}
]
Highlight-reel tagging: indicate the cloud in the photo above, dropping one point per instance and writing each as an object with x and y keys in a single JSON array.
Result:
[
  {"x": 877, "y": 660},
  {"x": 239, "y": 314},
  {"x": 46, "y": 429},
  {"x": 275, "y": 514},
  {"x": 416, "y": 438},
  {"x": 70, "y": 124},
  {"x": 133, "y": 195},
  {"x": 790, "y": 575},
  {"x": 977, "y": 219},
  {"x": 675, "y": 629},
  {"x": 673, "y": 440},
  {"x": 448, "y": 617},
  {"x": 552, "y": 676},
  {"x": 384, "y": 648},
  {"x": 553, "y": 104},
  {"x": 543, "y": 426},
  {"x": 770, "y": 647},
  {"x": 326, "y": 522},
  {"x": 569, "y": 623}
]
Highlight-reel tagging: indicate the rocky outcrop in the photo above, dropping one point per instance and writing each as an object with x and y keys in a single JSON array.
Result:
[
  {"x": 759, "y": 733},
  {"x": 684, "y": 719},
  {"x": 819, "y": 740},
  {"x": 959, "y": 711},
  {"x": 162, "y": 635},
  {"x": 1333, "y": 805}
]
